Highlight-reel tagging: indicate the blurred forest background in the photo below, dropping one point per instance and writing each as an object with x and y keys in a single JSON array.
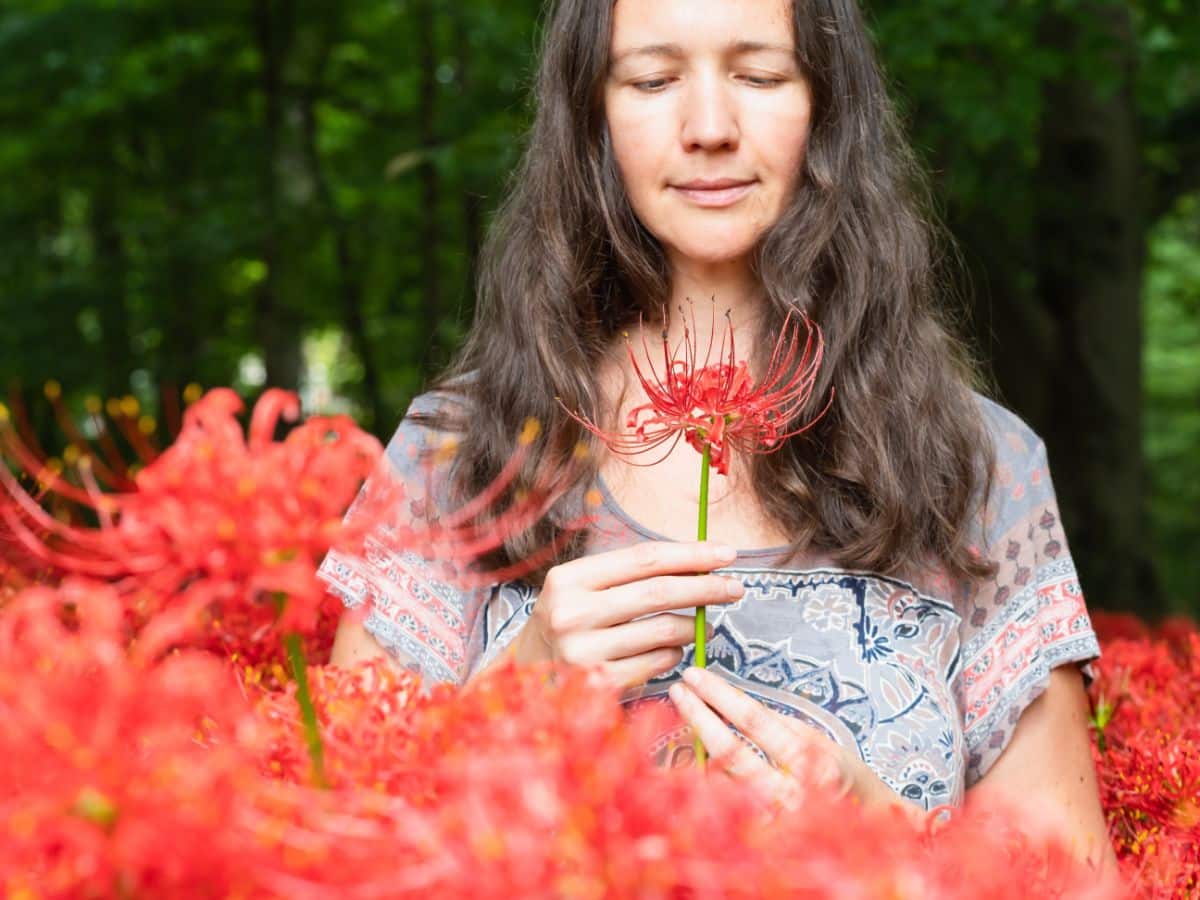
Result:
[{"x": 293, "y": 193}]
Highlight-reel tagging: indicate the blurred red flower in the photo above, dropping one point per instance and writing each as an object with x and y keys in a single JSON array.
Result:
[
  {"x": 533, "y": 784},
  {"x": 219, "y": 540},
  {"x": 156, "y": 782},
  {"x": 1147, "y": 752},
  {"x": 118, "y": 779},
  {"x": 217, "y": 524}
]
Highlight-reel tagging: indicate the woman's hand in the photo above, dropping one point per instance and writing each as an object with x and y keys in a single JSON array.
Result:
[
  {"x": 590, "y": 610},
  {"x": 799, "y": 754}
]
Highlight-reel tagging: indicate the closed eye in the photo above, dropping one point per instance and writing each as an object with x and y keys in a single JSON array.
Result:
[{"x": 654, "y": 85}]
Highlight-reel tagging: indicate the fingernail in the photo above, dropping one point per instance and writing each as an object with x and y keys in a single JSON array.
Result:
[
  {"x": 734, "y": 588},
  {"x": 692, "y": 675},
  {"x": 722, "y": 551}
]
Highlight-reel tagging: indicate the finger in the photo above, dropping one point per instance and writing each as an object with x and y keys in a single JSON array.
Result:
[
  {"x": 795, "y": 748},
  {"x": 630, "y": 639},
  {"x": 726, "y": 750},
  {"x": 733, "y": 757},
  {"x": 634, "y": 671},
  {"x": 643, "y": 560},
  {"x": 778, "y": 736},
  {"x": 664, "y": 593}
]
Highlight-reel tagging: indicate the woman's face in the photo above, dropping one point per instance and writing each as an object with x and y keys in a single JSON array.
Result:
[{"x": 701, "y": 93}]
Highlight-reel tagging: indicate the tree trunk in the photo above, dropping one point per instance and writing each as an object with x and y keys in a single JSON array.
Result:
[
  {"x": 472, "y": 200},
  {"x": 111, "y": 267},
  {"x": 181, "y": 312},
  {"x": 276, "y": 331},
  {"x": 431, "y": 299},
  {"x": 1089, "y": 256}
]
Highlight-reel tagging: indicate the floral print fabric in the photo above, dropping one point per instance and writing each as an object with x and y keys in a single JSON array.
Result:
[{"x": 924, "y": 678}]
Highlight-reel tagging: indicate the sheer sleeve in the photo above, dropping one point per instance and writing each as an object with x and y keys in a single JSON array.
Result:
[
  {"x": 1032, "y": 616},
  {"x": 415, "y": 615}
]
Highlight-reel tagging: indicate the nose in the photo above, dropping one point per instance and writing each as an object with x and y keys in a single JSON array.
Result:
[{"x": 710, "y": 119}]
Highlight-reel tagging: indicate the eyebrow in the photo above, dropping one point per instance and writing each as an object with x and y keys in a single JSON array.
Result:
[{"x": 674, "y": 51}]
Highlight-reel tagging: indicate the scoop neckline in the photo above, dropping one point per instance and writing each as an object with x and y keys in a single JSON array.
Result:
[{"x": 615, "y": 508}]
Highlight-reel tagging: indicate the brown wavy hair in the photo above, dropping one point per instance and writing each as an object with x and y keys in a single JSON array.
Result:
[{"x": 892, "y": 478}]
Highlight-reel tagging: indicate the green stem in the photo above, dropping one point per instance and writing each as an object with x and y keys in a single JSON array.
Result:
[
  {"x": 308, "y": 713},
  {"x": 701, "y": 657}
]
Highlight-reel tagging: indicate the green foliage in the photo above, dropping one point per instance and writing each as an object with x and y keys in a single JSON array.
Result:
[
  {"x": 968, "y": 77},
  {"x": 181, "y": 187},
  {"x": 250, "y": 189},
  {"x": 1172, "y": 373}
]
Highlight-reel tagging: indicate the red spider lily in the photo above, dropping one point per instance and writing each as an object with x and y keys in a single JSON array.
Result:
[
  {"x": 1150, "y": 789},
  {"x": 719, "y": 405},
  {"x": 123, "y": 779},
  {"x": 219, "y": 543},
  {"x": 1112, "y": 626},
  {"x": 118, "y": 779},
  {"x": 1147, "y": 752},
  {"x": 217, "y": 525},
  {"x": 221, "y": 527},
  {"x": 137, "y": 794},
  {"x": 716, "y": 406}
]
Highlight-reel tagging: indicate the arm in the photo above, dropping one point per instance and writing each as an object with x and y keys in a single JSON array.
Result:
[
  {"x": 353, "y": 644},
  {"x": 373, "y": 575},
  {"x": 1048, "y": 762}
]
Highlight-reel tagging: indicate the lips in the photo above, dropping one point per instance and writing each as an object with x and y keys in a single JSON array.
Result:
[
  {"x": 714, "y": 192},
  {"x": 713, "y": 184}
]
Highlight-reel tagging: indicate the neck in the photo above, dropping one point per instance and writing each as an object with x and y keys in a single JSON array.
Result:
[{"x": 705, "y": 292}]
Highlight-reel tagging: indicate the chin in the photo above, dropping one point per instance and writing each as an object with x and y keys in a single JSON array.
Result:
[{"x": 715, "y": 249}]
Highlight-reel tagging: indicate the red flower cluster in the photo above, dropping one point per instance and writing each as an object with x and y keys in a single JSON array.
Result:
[
  {"x": 153, "y": 774},
  {"x": 1147, "y": 751},
  {"x": 532, "y": 786},
  {"x": 118, "y": 779},
  {"x": 218, "y": 541},
  {"x": 719, "y": 404},
  {"x": 219, "y": 529},
  {"x": 160, "y": 782}
]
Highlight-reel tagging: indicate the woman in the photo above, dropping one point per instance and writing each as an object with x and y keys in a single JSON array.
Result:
[{"x": 874, "y": 609}]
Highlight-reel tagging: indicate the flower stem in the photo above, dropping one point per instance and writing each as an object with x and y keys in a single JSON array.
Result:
[
  {"x": 701, "y": 657},
  {"x": 308, "y": 713}
]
